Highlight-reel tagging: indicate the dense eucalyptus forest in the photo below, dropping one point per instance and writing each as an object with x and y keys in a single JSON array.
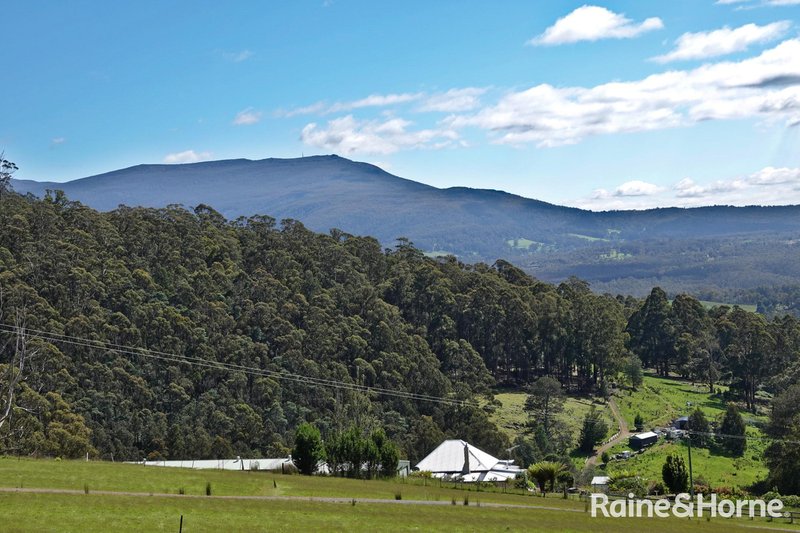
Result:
[{"x": 333, "y": 308}]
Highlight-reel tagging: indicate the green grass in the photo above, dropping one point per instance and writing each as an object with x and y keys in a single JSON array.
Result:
[
  {"x": 101, "y": 475},
  {"x": 747, "y": 307},
  {"x": 661, "y": 400},
  {"x": 438, "y": 253},
  {"x": 512, "y": 419},
  {"x": 95, "y": 512},
  {"x": 715, "y": 468},
  {"x": 529, "y": 245}
]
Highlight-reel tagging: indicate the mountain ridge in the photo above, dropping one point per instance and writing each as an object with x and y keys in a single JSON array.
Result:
[{"x": 550, "y": 241}]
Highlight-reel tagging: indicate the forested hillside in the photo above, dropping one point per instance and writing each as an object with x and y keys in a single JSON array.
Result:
[
  {"x": 713, "y": 248},
  {"x": 280, "y": 299}
]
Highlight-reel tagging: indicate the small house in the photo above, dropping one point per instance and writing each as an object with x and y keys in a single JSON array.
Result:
[
  {"x": 641, "y": 441},
  {"x": 681, "y": 422},
  {"x": 600, "y": 484},
  {"x": 457, "y": 459}
]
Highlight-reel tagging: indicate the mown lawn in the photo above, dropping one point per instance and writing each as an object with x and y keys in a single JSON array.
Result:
[
  {"x": 100, "y": 475},
  {"x": 101, "y": 513},
  {"x": 95, "y": 512}
]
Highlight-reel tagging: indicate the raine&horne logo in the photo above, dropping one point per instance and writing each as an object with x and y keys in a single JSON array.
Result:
[{"x": 684, "y": 507}]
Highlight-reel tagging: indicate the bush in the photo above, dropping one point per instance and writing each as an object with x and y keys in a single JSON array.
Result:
[
  {"x": 593, "y": 431},
  {"x": 674, "y": 473},
  {"x": 308, "y": 450},
  {"x": 605, "y": 457},
  {"x": 638, "y": 422}
]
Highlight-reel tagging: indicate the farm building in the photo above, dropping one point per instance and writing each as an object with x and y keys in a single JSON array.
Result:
[
  {"x": 642, "y": 440},
  {"x": 600, "y": 483},
  {"x": 457, "y": 459},
  {"x": 284, "y": 465}
]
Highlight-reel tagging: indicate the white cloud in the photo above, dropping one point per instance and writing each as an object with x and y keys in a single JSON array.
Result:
[
  {"x": 724, "y": 41},
  {"x": 591, "y": 23},
  {"x": 58, "y": 140},
  {"x": 188, "y": 156},
  {"x": 247, "y": 117},
  {"x": 373, "y": 100},
  {"x": 454, "y": 100},
  {"x": 768, "y": 186},
  {"x": 750, "y": 4},
  {"x": 637, "y": 188},
  {"x": 766, "y": 86},
  {"x": 348, "y": 135},
  {"x": 775, "y": 176},
  {"x": 687, "y": 188},
  {"x": 238, "y": 57},
  {"x": 451, "y": 101}
]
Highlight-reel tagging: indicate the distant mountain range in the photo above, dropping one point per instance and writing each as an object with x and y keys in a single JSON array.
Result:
[{"x": 620, "y": 250}]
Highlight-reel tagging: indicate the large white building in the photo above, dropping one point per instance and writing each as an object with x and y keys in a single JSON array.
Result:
[{"x": 457, "y": 459}]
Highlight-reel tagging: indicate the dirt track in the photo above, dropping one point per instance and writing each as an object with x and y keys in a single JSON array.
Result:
[{"x": 623, "y": 433}]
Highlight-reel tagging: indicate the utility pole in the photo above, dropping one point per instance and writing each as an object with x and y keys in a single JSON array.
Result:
[{"x": 689, "y": 439}]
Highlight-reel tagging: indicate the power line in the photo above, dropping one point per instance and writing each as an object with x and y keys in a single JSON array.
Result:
[
  {"x": 197, "y": 361},
  {"x": 740, "y": 437},
  {"x": 283, "y": 375}
]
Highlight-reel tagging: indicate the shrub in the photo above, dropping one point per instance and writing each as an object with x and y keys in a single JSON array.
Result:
[
  {"x": 308, "y": 449},
  {"x": 674, "y": 473}
]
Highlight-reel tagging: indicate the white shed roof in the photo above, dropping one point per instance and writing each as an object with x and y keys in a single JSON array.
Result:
[
  {"x": 449, "y": 457},
  {"x": 645, "y": 435},
  {"x": 600, "y": 480}
]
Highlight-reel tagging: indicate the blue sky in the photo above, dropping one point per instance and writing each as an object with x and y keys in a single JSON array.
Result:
[{"x": 599, "y": 105}]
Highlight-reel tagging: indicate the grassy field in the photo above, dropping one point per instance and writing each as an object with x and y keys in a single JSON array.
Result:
[
  {"x": 747, "y": 307},
  {"x": 93, "y": 512},
  {"x": 512, "y": 419},
  {"x": 105, "y": 476},
  {"x": 661, "y": 400},
  {"x": 718, "y": 469}
]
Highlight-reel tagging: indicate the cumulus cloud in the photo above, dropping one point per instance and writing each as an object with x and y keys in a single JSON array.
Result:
[
  {"x": 188, "y": 156},
  {"x": 766, "y": 86},
  {"x": 775, "y": 176},
  {"x": 637, "y": 188},
  {"x": 768, "y": 186},
  {"x": 592, "y": 23},
  {"x": 58, "y": 140},
  {"x": 348, "y": 135},
  {"x": 454, "y": 100},
  {"x": 687, "y": 188},
  {"x": 723, "y": 41},
  {"x": 247, "y": 117}
]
